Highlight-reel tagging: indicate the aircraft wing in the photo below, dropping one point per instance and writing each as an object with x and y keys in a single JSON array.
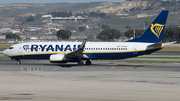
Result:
[{"x": 78, "y": 53}]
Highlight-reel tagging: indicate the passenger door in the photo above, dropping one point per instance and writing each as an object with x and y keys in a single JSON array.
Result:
[
  {"x": 135, "y": 49},
  {"x": 20, "y": 49}
]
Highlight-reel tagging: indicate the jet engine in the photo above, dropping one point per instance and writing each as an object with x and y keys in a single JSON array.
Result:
[{"x": 58, "y": 58}]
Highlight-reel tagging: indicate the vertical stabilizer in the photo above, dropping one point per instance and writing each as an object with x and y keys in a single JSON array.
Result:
[{"x": 155, "y": 31}]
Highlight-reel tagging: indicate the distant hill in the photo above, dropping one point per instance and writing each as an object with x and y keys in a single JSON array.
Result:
[
  {"x": 133, "y": 7},
  {"x": 131, "y": 13},
  {"x": 124, "y": 8},
  {"x": 7, "y": 10}
]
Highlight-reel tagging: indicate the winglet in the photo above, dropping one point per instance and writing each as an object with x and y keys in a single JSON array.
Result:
[{"x": 83, "y": 45}]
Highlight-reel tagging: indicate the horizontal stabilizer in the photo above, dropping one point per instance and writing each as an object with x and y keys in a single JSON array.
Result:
[
  {"x": 164, "y": 44},
  {"x": 156, "y": 45}
]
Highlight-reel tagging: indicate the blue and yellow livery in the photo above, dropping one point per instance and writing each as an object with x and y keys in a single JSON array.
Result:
[{"x": 63, "y": 52}]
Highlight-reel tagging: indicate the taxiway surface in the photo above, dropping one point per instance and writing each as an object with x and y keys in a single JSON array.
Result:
[{"x": 101, "y": 81}]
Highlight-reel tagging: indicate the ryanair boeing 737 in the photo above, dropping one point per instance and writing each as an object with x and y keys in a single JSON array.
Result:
[{"x": 63, "y": 52}]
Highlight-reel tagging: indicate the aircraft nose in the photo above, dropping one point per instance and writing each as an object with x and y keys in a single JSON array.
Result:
[{"x": 5, "y": 52}]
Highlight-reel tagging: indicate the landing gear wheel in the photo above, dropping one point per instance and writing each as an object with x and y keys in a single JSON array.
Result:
[
  {"x": 18, "y": 62},
  {"x": 80, "y": 63},
  {"x": 88, "y": 62}
]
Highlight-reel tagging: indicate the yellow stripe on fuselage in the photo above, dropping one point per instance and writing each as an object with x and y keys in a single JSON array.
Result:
[
  {"x": 86, "y": 52},
  {"x": 41, "y": 53}
]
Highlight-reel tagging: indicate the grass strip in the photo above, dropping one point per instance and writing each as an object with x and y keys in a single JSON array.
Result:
[
  {"x": 170, "y": 49},
  {"x": 2, "y": 57},
  {"x": 5, "y": 46},
  {"x": 154, "y": 59}
]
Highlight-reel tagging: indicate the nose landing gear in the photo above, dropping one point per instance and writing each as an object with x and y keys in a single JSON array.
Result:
[{"x": 18, "y": 62}]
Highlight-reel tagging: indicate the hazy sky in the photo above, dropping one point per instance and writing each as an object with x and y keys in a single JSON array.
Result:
[{"x": 53, "y": 1}]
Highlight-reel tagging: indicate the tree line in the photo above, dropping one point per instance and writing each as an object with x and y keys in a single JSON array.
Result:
[
  {"x": 170, "y": 34},
  {"x": 94, "y": 14},
  {"x": 12, "y": 36},
  {"x": 63, "y": 14},
  {"x": 109, "y": 35}
]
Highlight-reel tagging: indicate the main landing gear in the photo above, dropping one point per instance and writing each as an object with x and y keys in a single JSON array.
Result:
[
  {"x": 80, "y": 63},
  {"x": 88, "y": 62}
]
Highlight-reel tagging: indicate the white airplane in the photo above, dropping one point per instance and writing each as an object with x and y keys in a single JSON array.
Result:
[{"x": 63, "y": 52}]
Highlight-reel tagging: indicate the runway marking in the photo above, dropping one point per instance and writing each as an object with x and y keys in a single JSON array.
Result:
[{"x": 130, "y": 67}]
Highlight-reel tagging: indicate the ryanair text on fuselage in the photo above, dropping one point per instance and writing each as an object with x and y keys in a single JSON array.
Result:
[{"x": 50, "y": 47}]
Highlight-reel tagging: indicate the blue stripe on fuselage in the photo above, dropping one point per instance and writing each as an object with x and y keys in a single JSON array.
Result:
[{"x": 92, "y": 55}]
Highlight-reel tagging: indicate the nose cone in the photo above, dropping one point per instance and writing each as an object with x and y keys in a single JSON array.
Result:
[{"x": 5, "y": 53}]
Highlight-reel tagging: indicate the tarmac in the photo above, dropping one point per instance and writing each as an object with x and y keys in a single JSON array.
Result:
[{"x": 102, "y": 81}]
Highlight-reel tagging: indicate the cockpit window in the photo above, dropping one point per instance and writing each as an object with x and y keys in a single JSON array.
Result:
[{"x": 10, "y": 47}]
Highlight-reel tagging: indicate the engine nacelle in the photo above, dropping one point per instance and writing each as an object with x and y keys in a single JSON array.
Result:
[{"x": 58, "y": 58}]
